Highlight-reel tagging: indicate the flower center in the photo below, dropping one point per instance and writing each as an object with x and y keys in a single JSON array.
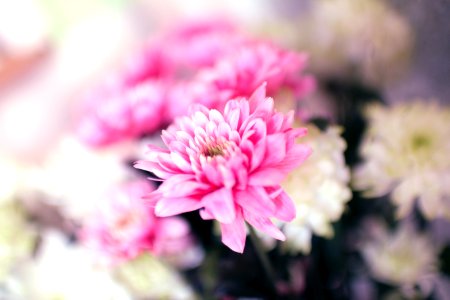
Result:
[
  {"x": 420, "y": 141},
  {"x": 214, "y": 150},
  {"x": 125, "y": 221}
]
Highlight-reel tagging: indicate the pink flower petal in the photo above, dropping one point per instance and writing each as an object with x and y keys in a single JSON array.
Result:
[
  {"x": 258, "y": 154},
  {"x": 181, "y": 162},
  {"x": 265, "y": 225},
  {"x": 167, "y": 207},
  {"x": 267, "y": 177},
  {"x": 206, "y": 215},
  {"x": 228, "y": 177},
  {"x": 234, "y": 234},
  {"x": 256, "y": 201},
  {"x": 300, "y": 132},
  {"x": 275, "y": 149},
  {"x": 258, "y": 95},
  {"x": 213, "y": 175},
  {"x": 182, "y": 185},
  {"x": 221, "y": 205},
  {"x": 152, "y": 198},
  {"x": 152, "y": 167},
  {"x": 233, "y": 118},
  {"x": 296, "y": 156},
  {"x": 285, "y": 208}
]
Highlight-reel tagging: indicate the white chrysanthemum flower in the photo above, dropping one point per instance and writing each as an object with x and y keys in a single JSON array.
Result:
[
  {"x": 65, "y": 271},
  {"x": 147, "y": 277},
  {"x": 406, "y": 152},
  {"x": 74, "y": 176},
  {"x": 319, "y": 189},
  {"x": 17, "y": 237},
  {"x": 402, "y": 258},
  {"x": 348, "y": 37}
]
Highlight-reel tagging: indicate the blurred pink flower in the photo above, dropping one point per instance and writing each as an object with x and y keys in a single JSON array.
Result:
[
  {"x": 204, "y": 62},
  {"x": 253, "y": 63},
  {"x": 230, "y": 166},
  {"x": 124, "y": 227},
  {"x": 200, "y": 44},
  {"x": 151, "y": 62},
  {"x": 114, "y": 113},
  {"x": 182, "y": 51},
  {"x": 238, "y": 74},
  {"x": 133, "y": 102}
]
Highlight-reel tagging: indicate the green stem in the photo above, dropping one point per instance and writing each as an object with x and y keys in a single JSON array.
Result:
[{"x": 264, "y": 259}]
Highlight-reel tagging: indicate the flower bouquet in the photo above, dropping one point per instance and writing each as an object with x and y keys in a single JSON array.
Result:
[{"x": 218, "y": 164}]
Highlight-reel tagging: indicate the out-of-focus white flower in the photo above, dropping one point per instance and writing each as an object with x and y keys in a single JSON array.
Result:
[
  {"x": 18, "y": 36},
  {"x": 319, "y": 189},
  {"x": 17, "y": 237},
  {"x": 75, "y": 176},
  {"x": 149, "y": 278},
  {"x": 350, "y": 38},
  {"x": 402, "y": 258},
  {"x": 65, "y": 271},
  {"x": 406, "y": 151}
]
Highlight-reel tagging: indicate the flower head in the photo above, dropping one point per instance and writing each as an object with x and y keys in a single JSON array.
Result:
[
  {"x": 319, "y": 189},
  {"x": 253, "y": 63},
  {"x": 403, "y": 257},
  {"x": 126, "y": 227},
  {"x": 229, "y": 165},
  {"x": 405, "y": 152}
]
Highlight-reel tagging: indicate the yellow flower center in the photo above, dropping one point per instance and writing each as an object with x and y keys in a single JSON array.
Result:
[
  {"x": 421, "y": 141},
  {"x": 213, "y": 151}
]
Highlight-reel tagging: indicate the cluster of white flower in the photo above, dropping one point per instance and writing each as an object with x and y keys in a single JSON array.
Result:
[
  {"x": 402, "y": 258},
  {"x": 405, "y": 152},
  {"x": 319, "y": 189}
]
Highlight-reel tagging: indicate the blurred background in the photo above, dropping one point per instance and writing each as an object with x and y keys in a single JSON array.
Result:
[{"x": 51, "y": 51}]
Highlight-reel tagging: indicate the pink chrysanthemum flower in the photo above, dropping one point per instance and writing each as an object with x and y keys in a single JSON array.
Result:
[
  {"x": 124, "y": 227},
  {"x": 114, "y": 113},
  {"x": 230, "y": 166},
  {"x": 253, "y": 63}
]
